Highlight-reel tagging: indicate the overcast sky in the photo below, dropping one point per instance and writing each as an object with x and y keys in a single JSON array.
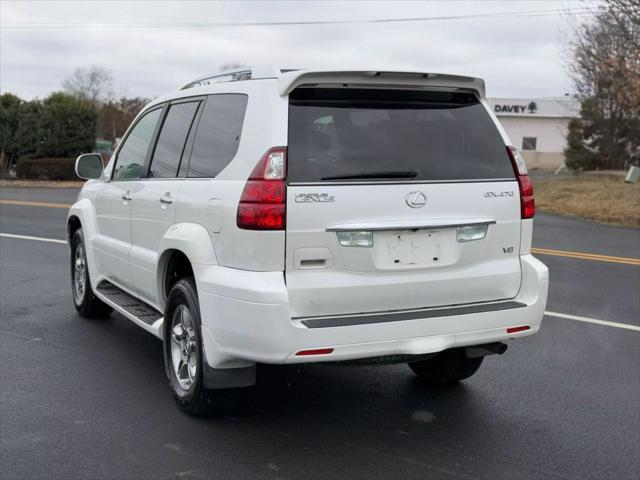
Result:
[{"x": 149, "y": 53}]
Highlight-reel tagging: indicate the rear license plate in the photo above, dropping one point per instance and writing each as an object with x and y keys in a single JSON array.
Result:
[{"x": 411, "y": 248}]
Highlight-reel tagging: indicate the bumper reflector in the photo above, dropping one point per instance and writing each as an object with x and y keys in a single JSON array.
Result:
[
  {"x": 523, "y": 328},
  {"x": 317, "y": 351}
]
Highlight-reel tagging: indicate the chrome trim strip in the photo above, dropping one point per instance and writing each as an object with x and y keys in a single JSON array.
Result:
[
  {"x": 398, "y": 316},
  {"x": 408, "y": 226}
]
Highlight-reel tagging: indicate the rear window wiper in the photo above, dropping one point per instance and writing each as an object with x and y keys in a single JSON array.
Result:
[{"x": 374, "y": 174}]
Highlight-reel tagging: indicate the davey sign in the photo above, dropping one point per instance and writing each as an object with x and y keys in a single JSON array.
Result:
[{"x": 516, "y": 108}]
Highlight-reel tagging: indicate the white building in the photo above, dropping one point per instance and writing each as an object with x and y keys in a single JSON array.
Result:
[{"x": 537, "y": 126}]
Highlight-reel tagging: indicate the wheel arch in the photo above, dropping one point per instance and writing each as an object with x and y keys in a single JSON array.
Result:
[
  {"x": 82, "y": 215},
  {"x": 173, "y": 266},
  {"x": 184, "y": 246},
  {"x": 73, "y": 224}
]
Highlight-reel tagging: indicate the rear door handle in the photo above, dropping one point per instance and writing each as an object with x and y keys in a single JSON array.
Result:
[
  {"x": 166, "y": 199},
  {"x": 126, "y": 196}
]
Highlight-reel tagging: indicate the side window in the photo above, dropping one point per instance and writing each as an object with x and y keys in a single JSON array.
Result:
[
  {"x": 218, "y": 134},
  {"x": 131, "y": 156},
  {"x": 171, "y": 141}
]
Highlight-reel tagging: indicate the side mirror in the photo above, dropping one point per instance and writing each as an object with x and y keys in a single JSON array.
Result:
[{"x": 89, "y": 166}]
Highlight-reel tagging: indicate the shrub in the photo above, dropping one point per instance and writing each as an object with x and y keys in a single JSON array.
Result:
[
  {"x": 59, "y": 126},
  {"x": 46, "y": 168},
  {"x": 67, "y": 126}
]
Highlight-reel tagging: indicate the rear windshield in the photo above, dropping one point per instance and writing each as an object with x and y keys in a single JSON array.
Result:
[{"x": 349, "y": 135}]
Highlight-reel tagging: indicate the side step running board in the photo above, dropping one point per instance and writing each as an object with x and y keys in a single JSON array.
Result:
[{"x": 130, "y": 304}]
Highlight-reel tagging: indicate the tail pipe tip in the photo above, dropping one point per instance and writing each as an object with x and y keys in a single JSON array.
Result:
[{"x": 483, "y": 350}]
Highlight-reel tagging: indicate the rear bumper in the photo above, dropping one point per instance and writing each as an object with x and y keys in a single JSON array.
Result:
[{"x": 246, "y": 318}]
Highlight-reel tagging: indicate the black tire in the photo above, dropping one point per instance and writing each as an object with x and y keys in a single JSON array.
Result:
[
  {"x": 448, "y": 367},
  {"x": 193, "y": 399},
  {"x": 86, "y": 303}
]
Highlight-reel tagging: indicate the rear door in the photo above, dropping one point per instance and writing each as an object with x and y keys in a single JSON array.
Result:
[
  {"x": 397, "y": 199},
  {"x": 154, "y": 208}
]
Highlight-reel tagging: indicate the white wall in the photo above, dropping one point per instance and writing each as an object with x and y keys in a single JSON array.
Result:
[{"x": 551, "y": 132}]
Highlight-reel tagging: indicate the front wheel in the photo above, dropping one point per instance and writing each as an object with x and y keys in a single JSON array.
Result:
[
  {"x": 86, "y": 303},
  {"x": 183, "y": 355},
  {"x": 448, "y": 367}
]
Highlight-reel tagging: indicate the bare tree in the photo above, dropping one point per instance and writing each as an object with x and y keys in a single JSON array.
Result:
[
  {"x": 605, "y": 68},
  {"x": 115, "y": 116},
  {"x": 93, "y": 83},
  {"x": 626, "y": 14}
]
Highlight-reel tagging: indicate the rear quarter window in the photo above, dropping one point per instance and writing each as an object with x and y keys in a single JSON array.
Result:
[
  {"x": 218, "y": 134},
  {"x": 413, "y": 135}
]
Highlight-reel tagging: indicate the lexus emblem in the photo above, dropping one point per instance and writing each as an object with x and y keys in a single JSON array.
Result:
[{"x": 416, "y": 199}]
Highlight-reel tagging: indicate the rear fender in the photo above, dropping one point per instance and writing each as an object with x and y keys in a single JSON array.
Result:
[{"x": 191, "y": 239}]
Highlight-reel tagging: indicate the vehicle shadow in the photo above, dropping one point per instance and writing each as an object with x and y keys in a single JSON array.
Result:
[
  {"x": 382, "y": 418},
  {"x": 353, "y": 392},
  {"x": 320, "y": 418}
]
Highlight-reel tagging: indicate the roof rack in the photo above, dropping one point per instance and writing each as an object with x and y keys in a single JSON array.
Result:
[{"x": 238, "y": 74}]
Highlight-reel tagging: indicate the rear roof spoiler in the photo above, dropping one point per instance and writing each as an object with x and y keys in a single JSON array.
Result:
[{"x": 288, "y": 81}]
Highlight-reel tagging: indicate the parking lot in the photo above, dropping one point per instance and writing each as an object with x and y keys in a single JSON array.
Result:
[{"x": 88, "y": 399}]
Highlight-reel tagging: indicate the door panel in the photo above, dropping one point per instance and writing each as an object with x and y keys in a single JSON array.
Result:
[
  {"x": 113, "y": 200},
  {"x": 112, "y": 240},
  {"x": 152, "y": 214}
]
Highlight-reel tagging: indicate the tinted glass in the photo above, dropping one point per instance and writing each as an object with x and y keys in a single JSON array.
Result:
[
  {"x": 218, "y": 134},
  {"x": 377, "y": 135},
  {"x": 130, "y": 161},
  {"x": 166, "y": 156}
]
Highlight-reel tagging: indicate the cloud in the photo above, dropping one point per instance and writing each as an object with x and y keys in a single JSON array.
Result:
[{"x": 516, "y": 56}]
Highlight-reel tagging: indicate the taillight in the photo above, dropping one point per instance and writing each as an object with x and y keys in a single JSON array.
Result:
[
  {"x": 263, "y": 202},
  {"x": 527, "y": 203}
]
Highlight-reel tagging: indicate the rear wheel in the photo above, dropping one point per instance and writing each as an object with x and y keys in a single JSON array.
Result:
[
  {"x": 183, "y": 355},
  {"x": 447, "y": 367},
  {"x": 86, "y": 303}
]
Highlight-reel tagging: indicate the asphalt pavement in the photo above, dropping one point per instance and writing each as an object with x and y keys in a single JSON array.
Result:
[{"x": 89, "y": 399}]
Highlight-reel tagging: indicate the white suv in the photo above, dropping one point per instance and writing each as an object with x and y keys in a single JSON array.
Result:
[{"x": 288, "y": 216}]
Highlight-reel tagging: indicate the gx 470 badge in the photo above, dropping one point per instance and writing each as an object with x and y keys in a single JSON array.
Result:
[{"x": 314, "y": 197}]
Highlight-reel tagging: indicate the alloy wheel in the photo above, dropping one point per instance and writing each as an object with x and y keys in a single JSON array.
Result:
[
  {"x": 79, "y": 275},
  {"x": 184, "y": 352}
]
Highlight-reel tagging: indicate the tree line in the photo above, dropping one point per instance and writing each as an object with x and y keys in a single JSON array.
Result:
[{"x": 65, "y": 123}]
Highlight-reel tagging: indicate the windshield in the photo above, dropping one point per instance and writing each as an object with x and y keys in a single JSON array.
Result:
[{"x": 346, "y": 135}]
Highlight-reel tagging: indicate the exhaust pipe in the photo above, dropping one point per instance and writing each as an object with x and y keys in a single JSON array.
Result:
[{"x": 476, "y": 351}]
